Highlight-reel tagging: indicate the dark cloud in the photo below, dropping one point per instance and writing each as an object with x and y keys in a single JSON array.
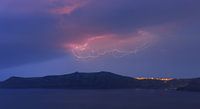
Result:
[
  {"x": 27, "y": 39},
  {"x": 31, "y": 32},
  {"x": 126, "y": 15}
]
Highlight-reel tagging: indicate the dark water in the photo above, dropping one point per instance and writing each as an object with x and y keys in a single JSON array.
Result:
[{"x": 98, "y": 99}]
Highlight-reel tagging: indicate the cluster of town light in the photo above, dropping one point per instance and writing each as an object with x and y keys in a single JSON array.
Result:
[{"x": 161, "y": 79}]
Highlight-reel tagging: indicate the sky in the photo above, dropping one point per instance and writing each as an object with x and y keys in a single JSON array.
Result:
[{"x": 151, "y": 38}]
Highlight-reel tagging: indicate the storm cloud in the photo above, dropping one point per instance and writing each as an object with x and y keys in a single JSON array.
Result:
[{"x": 36, "y": 30}]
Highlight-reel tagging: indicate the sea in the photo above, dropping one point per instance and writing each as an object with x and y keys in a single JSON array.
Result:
[{"x": 97, "y": 99}]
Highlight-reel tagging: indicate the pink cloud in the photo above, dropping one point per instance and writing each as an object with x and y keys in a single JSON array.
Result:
[
  {"x": 59, "y": 7},
  {"x": 111, "y": 44},
  {"x": 68, "y": 6}
]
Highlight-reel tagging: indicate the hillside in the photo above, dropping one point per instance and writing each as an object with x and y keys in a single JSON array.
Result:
[{"x": 99, "y": 80}]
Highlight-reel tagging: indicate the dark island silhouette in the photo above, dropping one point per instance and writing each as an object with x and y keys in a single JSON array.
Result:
[{"x": 100, "y": 80}]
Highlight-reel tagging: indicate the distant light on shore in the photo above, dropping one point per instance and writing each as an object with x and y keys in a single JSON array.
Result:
[{"x": 161, "y": 79}]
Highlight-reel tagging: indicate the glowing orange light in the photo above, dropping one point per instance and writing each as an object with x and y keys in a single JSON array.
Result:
[{"x": 161, "y": 79}]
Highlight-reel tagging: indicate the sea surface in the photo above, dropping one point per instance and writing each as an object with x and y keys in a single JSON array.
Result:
[{"x": 97, "y": 99}]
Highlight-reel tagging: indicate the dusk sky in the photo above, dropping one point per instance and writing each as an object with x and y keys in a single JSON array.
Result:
[{"x": 151, "y": 38}]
